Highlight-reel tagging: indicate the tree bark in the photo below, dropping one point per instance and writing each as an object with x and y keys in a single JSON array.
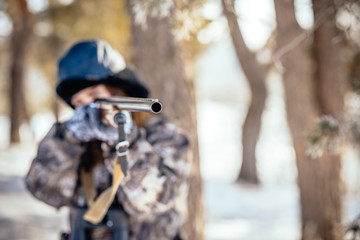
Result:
[
  {"x": 308, "y": 96},
  {"x": 330, "y": 72},
  {"x": 19, "y": 42},
  {"x": 255, "y": 74},
  {"x": 159, "y": 65}
]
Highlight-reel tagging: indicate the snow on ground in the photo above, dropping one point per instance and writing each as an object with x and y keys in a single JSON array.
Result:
[
  {"x": 21, "y": 215},
  {"x": 246, "y": 212}
]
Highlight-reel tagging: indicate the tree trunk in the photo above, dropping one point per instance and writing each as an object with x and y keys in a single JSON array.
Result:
[
  {"x": 19, "y": 42},
  {"x": 159, "y": 65},
  {"x": 307, "y": 98},
  {"x": 255, "y": 74}
]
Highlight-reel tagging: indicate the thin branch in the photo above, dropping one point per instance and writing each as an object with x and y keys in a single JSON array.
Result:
[{"x": 299, "y": 39}]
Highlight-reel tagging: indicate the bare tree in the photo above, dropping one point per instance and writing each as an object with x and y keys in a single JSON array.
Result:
[
  {"x": 313, "y": 87},
  {"x": 157, "y": 56},
  {"x": 19, "y": 42},
  {"x": 255, "y": 74}
]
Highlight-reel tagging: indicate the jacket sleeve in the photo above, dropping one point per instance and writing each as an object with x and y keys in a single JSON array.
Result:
[
  {"x": 159, "y": 166},
  {"x": 52, "y": 175}
]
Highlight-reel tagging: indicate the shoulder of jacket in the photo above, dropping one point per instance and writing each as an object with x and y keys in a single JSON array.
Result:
[
  {"x": 60, "y": 132},
  {"x": 160, "y": 129}
]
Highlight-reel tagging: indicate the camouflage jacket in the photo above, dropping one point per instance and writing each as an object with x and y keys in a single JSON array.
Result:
[{"x": 153, "y": 194}]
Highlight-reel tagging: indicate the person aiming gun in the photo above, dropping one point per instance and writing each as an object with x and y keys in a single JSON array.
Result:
[{"x": 122, "y": 173}]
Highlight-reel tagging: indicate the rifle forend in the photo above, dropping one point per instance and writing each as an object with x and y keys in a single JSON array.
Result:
[{"x": 130, "y": 104}]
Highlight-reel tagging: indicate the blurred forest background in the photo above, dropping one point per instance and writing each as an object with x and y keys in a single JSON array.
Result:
[{"x": 268, "y": 91}]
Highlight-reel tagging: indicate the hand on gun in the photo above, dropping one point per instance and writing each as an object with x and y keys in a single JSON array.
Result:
[
  {"x": 96, "y": 120},
  {"x": 86, "y": 125}
]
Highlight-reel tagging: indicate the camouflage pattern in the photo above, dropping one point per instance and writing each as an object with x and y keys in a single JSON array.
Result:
[{"x": 153, "y": 193}]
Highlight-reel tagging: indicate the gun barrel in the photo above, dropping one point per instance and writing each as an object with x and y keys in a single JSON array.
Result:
[{"x": 131, "y": 104}]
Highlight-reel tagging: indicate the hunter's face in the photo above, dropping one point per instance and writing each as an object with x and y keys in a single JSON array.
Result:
[{"x": 88, "y": 95}]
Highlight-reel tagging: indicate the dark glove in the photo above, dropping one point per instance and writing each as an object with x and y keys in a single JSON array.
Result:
[{"x": 86, "y": 125}]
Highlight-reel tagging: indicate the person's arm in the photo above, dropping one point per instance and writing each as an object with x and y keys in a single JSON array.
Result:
[
  {"x": 159, "y": 166},
  {"x": 53, "y": 173}
]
